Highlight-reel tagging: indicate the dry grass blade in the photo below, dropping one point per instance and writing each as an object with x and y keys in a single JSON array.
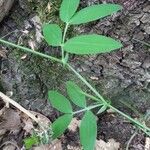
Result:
[{"x": 10, "y": 120}]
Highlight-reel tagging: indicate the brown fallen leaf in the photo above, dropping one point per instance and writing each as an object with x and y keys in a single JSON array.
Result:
[
  {"x": 45, "y": 122},
  {"x": 147, "y": 144},
  {"x": 2, "y": 110},
  {"x": 9, "y": 145},
  {"x": 74, "y": 125},
  {"x": 2, "y": 133},
  {"x": 29, "y": 123},
  {"x": 69, "y": 147},
  {"x": 10, "y": 119},
  {"x": 3, "y": 53},
  {"x": 55, "y": 145},
  {"x": 28, "y": 126},
  {"x": 110, "y": 145}
]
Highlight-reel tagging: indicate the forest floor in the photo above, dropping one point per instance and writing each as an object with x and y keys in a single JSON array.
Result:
[{"x": 122, "y": 76}]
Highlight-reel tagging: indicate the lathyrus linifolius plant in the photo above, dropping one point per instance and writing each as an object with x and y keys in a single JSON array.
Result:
[{"x": 81, "y": 45}]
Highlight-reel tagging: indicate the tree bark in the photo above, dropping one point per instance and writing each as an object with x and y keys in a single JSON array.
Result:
[{"x": 5, "y": 6}]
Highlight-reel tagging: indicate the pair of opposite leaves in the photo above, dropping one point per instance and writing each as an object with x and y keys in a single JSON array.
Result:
[
  {"x": 88, "y": 127},
  {"x": 83, "y": 44}
]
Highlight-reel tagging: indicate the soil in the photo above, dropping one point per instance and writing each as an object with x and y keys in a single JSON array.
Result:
[{"x": 122, "y": 76}]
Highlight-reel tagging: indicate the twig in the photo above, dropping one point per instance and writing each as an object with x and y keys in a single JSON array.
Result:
[
  {"x": 7, "y": 100},
  {"x": 130, "y": 140}
]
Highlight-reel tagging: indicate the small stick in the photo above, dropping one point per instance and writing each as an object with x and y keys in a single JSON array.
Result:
[
  {"x": 7, "y": 100},
  {"x": 130, "y": 140}
]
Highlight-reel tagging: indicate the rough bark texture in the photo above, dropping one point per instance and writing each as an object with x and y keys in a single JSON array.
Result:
[
  {"x": 5, "y": 6},
  {"x": 122, "y": 75}
]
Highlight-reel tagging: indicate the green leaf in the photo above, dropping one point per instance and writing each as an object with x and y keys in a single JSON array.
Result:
[
  {"x": 91, "y": 44},
  {"x": 68, "y": 9},
  {"x": 88, "y": 131},
  {"x": 102, "y": 109},
  {"x": 59, "y": 102},
  {"x": 52, "y": 34},
  {"x": 75, "y": 94},
  {"x": 94, "y": 12},
  {"x": 31, "y": 141},
  {"x": 60, "y": 125}
]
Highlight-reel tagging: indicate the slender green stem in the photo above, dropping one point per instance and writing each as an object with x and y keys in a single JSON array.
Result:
[
  {"x": 121, "y": 113},
  {"x": 143, "y": 127},
  {"x": 130, "y": 140},
  {"x": 87, "y": 108},
  {"x": 144, "y": 43},
  {"x": 62, "y": 54},
  {"x": 63, "y": 40},
  {"x": 140, "y": 125},
  {"x": 86, "y": 83},
  {"x": 65, "y": 31},
  {"x": 9, "y": 33},
  {"x": 132, "y": 108},
  {"x": 91, "y": 96},
  {"x": 31, "y": 51}
]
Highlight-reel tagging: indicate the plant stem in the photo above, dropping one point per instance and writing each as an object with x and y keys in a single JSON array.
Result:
[
  {"x": 31, "y": 51},
  {"x": 15, "y": 31},
  {"x": 63, "y": 40},
  {"x": 105, "y": 103},
  {"x": 65, "y": 31},
  {"x": 143, "y": 127},
  {"x": 140, "y": 125},
  {"x": 144, "y": 43},
  {"x": 87, "y": 108},
  {"x": 86, "y": 83},
  {"x": 91, "y": 96},
  {"x": 130, "y": 140},
  {"x": 132, "y": 108}
]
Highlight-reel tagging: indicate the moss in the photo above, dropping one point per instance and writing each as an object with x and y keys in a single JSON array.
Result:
[
  {"x": 38, "y": 75},
  {"x": 47, "y": 10}
]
